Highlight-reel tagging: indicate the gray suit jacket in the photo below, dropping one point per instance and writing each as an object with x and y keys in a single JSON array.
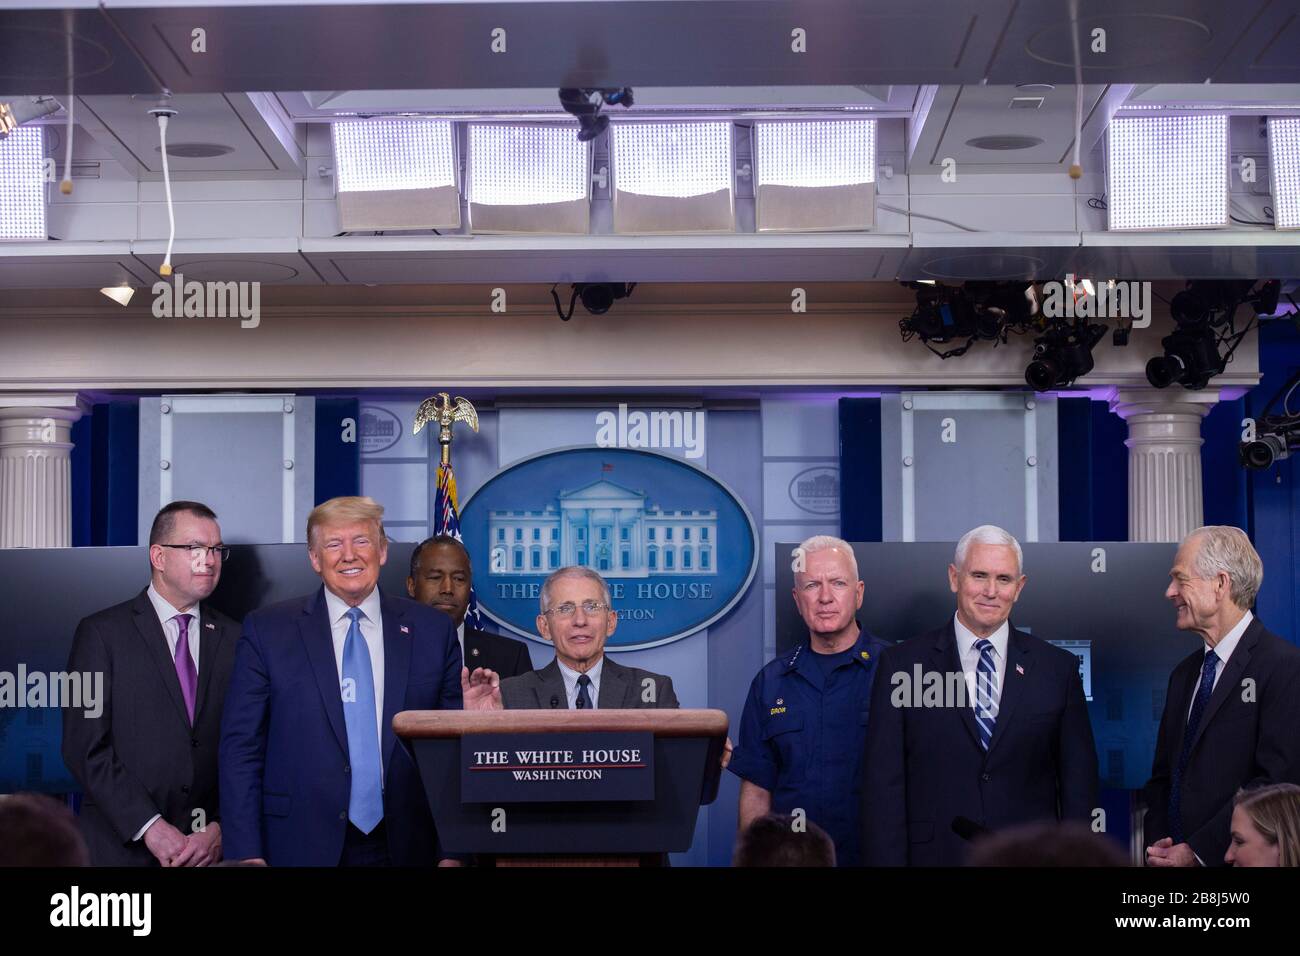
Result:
[{"x": 620, "y": 688}]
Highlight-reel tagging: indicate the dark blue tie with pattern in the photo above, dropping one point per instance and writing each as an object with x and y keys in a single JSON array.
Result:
[
  {"x": 584, "y": 698},
  {"x": 1208, "y": 668}
]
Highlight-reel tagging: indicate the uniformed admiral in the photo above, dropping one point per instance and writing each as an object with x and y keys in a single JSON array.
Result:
[{"x": 805, "y": 720}]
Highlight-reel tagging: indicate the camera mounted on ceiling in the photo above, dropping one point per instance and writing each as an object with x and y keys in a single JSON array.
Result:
[{"x": 587, "y": 106}]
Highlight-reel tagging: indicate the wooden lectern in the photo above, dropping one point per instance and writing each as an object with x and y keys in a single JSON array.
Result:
[{"x": 561, "y": 822}]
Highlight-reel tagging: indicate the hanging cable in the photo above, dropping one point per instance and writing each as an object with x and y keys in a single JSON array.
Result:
[
  {"x": 65, "y": 187},
  {"x": 1076, "y": 168},
  {"x": 164, "y": 113}
]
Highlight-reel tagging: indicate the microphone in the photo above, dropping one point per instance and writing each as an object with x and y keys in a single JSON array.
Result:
[
  {"x": 555, "y": 702},
  {"x": 968, "y": 829}
]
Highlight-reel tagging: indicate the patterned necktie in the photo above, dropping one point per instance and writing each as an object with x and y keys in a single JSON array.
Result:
[
  {"x": 189, "y": 677},
  {"x": 986, "y": 692},
  {"x": 584, "y": 699},
  {"x": 1209, "y": 666},
  {"x": 366, "y": 800}
]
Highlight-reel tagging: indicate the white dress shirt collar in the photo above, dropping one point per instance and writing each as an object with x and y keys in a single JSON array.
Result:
[
  {"x": 966, "y": 639},
  {"x": 337, "y": 608},
  {"x": 571, "y": 682},
  {"x": 164, "y": 608},
  {"x": 1223, "y": 650},
  {"x": 171, "y": 627}
]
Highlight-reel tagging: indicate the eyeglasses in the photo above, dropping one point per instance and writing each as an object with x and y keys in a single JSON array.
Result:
[
  {"x": 199, "y": 552},
  {"x": 568, "y": 608}
]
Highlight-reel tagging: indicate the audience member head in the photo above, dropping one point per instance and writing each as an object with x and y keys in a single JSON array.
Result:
[
  {"x": 779, "y": 839},
  {"x": 1265, "y": 828},
  {"x": 1046, "y": 844},
  {"x": 36, "y": 830}
]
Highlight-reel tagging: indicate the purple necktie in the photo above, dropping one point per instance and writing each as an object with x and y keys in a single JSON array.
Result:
[{"x": 185, "y": 664}]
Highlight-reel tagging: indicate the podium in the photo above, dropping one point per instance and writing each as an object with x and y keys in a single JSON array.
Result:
[{"x": 567, "y": 787}]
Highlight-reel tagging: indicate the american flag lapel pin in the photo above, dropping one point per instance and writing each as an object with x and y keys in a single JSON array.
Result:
[
  {"x": 209, "y": 625},
  {"x": 1020, "y": 670},
  {"x": 404, "y": 629}
]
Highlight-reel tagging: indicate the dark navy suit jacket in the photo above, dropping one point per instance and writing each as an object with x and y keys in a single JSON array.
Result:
[
  {"x": 1249, "y": 736},
  {"x": 284, "y": 749},
  {"x": 925, "y": 767}
]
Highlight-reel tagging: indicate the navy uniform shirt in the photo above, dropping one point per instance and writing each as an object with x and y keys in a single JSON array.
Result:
[{"x": 802, "y": 738}]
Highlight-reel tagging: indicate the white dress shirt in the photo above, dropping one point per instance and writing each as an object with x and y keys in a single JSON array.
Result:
[
  {"x": 1223, "y": 650},
  {"x": 172, "y": 631},
  {"x": 571, "y": 683},
  {"x": 970, "y": 656},
  {"x": 460, "y": 639},
  {"x": 171, "y": 628},
  {"x": 372, "y": 629}
]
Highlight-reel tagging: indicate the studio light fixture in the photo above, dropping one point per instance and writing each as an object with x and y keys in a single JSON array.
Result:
[
  {"x": 673, "y": 178},
  {"x": 814, "y": 176},
  {"x": 587, "y": 105},
  {"x": 22, "y": 184},
  {"x": 528, "y": 179},
  {"x": 597, "y": 297},
  {"x": 1284, "y": 170},
  {"x": 1167, "y": 172},
  {"x": 395, "y": 174},
  {"x": 1205, "y": 314},
  {"x": 120, "y": 294},
  {"x": 16, "y": 112}
]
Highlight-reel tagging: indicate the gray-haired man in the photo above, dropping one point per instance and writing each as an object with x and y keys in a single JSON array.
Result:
[
  {"x": 577, "y": 618},
  {"x": 1232, "y": 708}
]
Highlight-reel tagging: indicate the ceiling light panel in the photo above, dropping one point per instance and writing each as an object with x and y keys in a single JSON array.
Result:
[
  {"x": 673, "y": 178},
  {"x": 839, "y": 153},
  {"x": 395, "y": 174},
  {"x": 527, "y": 165},
  {"x": 381, "y": 155},
  {"x": 22, "y": 184},
  {"x": 675, "y": 160},
  {"x": 1167, "y": 172},
  {"x": 1284, "y": 168}
]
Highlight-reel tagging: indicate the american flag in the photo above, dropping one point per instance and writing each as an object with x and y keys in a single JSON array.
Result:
[{"x": 446, "y": 520}]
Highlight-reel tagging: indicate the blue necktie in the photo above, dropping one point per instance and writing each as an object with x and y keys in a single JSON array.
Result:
[
  {"x": 584, "y": 699},
  {"x": 986, "y": 692},
  {"x": 366, "y": 801},
  {"x": 1203, "y": 693}
]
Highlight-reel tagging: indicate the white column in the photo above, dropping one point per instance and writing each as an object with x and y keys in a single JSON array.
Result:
[
  {"x": 36, "y": 469},
  {"x": 1164, "y": 459}
]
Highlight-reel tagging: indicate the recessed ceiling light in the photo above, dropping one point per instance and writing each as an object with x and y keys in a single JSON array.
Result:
[
  {"x": 195, "y": 150},
  {"x": 1004, "y": 143}
]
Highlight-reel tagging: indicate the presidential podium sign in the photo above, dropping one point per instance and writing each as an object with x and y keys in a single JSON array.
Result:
[
  {"x": 599, "y": 783},
  {"x": 513, "y": 768}
]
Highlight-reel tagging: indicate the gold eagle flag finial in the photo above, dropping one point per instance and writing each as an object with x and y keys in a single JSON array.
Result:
[{"x": 445, "y": 410}]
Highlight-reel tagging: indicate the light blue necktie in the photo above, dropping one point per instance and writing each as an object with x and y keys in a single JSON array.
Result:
[
  {"x": 366, "y": 801},
  {"x": 986, "y": 692}
]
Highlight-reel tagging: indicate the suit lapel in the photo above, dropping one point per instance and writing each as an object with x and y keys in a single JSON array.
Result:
[
  {"x": 1184, "y": 688},
  {"x": 1013, "y": 684},
  {"x": 613, "y": 686},
  {"x": 945, "y": 660},
  {"x": 155, "y": 642},
  {"x": 1230, "y": 679},
  {"x": 211, "y": 635},
  {"x": 473, "y": 652},
  {"x": 397, "y": 667},
  {"x": 551, "y": 686},
  {"x": 318, "y": 639}
]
